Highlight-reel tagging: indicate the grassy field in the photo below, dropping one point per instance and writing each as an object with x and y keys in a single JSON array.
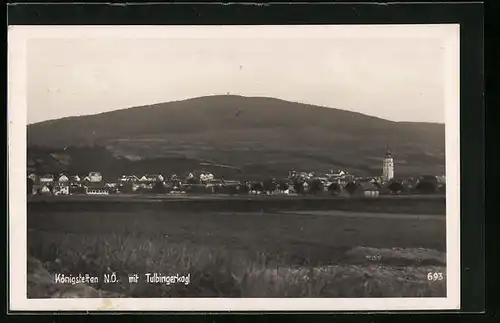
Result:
[
  {"x": 402, "y": 204},
  {"x": 279, "y": 253}
]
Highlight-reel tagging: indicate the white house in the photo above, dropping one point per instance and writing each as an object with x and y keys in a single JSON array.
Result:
[
  {"x": 95, "y": 177},
  {"x": 49, "y": 178},
  {"x": 151, "y": 178},
  {"x": 129, "y": 178},
  {"x": 369, "y": 189},
  {"x": 45, "y": 190},
  {"x": 61, "y": 190},
  {"x": 63, "y": 179},
  {"x": 97, "y": 190},
  {"x": 205, "y": 177}
]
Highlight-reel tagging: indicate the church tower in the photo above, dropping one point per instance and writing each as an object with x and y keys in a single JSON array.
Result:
[{"x": 388, "y": 167}]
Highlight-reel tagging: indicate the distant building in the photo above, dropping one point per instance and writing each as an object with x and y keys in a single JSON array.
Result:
[
  {"x": 335, "y": 173},
  {"x": 214, "y": 182},
  {"x": 205, "y": 177},
  {"x": 388, "y": 167},
  {"x": 151, "y": 178},
  {"x": 63, "y": 179},
  {"x": 95, "y": 177},
  {"x": 129, "y": 179},
  {"x": 340, "y": 178},
  {"x": 111, "y": 187},
  {"x": 368, "y": 189},
  {"x": 96, "y": 189},
  {"x": 45, "y": 190},
  {"x": 75, "y": 179},
  {"x": 145, "y": 186},
  {"x": 61, "y": 189},
  {"x": 48, "y": 178}
]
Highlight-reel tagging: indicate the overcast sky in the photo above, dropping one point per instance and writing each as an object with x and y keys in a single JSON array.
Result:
[{"x": 400, "y": 79}]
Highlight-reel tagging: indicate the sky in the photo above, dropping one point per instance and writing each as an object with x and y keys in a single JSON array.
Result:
[{"x": 395, "y": 78}]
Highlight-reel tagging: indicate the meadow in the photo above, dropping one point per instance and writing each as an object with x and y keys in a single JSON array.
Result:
[{"x": 257, "y": 252}]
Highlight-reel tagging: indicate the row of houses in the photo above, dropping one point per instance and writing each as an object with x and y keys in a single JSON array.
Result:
[
  {"x": 336, "y": 182},
  {"x": 340, "y": 177},
  {"x": 92, "y": 177},
  {"x": 96, "y": 177}
]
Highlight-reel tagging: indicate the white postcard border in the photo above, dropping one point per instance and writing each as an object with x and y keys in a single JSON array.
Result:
[{"x": 17, "y": 121}]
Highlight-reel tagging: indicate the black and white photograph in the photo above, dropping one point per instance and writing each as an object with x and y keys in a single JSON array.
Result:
[{"x": 234, "y": 167}]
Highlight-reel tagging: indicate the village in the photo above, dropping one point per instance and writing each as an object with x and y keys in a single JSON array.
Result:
[{"x": 333, "y": 182}]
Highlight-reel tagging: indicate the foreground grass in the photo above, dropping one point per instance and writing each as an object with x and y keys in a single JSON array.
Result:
[{"x": 223, "y": 271}]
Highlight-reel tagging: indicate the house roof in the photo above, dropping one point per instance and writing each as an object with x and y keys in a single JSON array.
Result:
[
  {"x": 151, "y": 177},
  {"x": 367, "y": 186}
]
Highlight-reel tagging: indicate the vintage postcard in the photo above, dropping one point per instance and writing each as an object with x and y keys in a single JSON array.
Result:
[{"x": 241, "y": 168}]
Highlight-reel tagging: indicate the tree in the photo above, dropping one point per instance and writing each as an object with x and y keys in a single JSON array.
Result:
[
  {"x": 126, "y": 188},
  {"x": 257, "y": 186},
  {"x": 158, "y": 187},
  {"x": 335, "y": 188},
  {"x": 29, "y": 186},
  {"x": 316, "y": 186},
  {"x": 269, "y": 185},
  {"x": 242, "y": 189},
  {"x": 351, "y": 188},
  {"x": 283, "y": 186},
  {"x": 396, "y": 187},
  {"x": 192, "y": 181},
  {"x": 298, "y": 186},
  {"x": 77, "y": 190},
  {"x": 426, "y": 187}
]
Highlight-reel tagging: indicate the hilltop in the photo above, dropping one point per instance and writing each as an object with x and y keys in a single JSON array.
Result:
[{"x": 253, "y": 135}]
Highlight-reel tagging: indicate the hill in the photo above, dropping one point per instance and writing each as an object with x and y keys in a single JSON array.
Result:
[{"x": 252, "y": 135}]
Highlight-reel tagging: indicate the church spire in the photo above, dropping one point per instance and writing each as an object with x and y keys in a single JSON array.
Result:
[{"x": 388, "y": 166}]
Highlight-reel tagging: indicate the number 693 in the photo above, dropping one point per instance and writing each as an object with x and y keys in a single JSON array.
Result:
[{"x": 435, "y": 276}]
